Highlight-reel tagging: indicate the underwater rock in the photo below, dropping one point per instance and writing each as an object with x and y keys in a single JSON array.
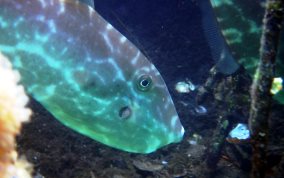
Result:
[
  {"x": 195, "y": 139},
  {"x": 200, "y": 109},
  {"x": 229, "y": 96},
  {"x": 146, "y": 165},
  {"x": 239, "y": 134},
  {"x": 185, "y": 87}
]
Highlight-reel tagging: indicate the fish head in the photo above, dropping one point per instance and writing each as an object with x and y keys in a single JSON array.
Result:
[
  {"x": 140, "y": 115},
  {"x": 140, "y": 108}
]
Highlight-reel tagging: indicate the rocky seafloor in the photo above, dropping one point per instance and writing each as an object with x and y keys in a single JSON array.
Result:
[
  {"x": 56, "y": 151},
  {"x": 169, "y": 33}
]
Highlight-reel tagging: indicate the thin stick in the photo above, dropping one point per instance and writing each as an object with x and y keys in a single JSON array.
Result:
[{"x": 261, "y": 96}]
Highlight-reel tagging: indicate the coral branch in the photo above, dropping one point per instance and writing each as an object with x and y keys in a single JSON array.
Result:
[{"x": 12, "y": 113}]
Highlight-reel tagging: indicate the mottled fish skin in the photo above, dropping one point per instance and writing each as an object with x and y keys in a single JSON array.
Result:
[
  {"x": 87, "y": 74},
  {"x": 90, "y": 3},
  {"x": 241, "y": 25},
  {"x": 241, "y": 28}
]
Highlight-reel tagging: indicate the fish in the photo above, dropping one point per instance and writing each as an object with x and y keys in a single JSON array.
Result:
[
  {"x": 90, "y": 3},
  {"x": 241, "y": 25},
  {"x": 88, "y": 75},
  {"x": 220, "y": 52}
]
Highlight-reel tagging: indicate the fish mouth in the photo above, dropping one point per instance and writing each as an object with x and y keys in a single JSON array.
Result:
[{"x": 125, "y": 112}]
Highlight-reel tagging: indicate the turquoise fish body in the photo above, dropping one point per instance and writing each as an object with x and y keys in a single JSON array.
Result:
[{"x": 88, "y": 75}]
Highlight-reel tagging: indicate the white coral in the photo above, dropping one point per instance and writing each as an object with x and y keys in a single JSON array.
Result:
[
  {"x": 12, "y": 113},
  {"x": 12, "y": 96}
]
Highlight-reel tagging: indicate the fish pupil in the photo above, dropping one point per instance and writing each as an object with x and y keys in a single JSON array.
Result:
[{"x": 144, "y": 82}]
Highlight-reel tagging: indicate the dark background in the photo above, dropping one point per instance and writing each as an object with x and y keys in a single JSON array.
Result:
[{"x": 168, "y": 32}]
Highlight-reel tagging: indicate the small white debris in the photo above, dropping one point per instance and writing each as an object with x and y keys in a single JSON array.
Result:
[
  {"x": 194, "y": 139},
  {"x": 184, "y": 87},
  {"x": 164, "y": 162},
  {"x": 240, "y": 132},
  {"x": 200, "y": 109},
  {"x": 192, "y": 142}
]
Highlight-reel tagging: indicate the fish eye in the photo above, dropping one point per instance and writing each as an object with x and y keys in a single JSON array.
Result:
[{"x": 144, "y": 82}]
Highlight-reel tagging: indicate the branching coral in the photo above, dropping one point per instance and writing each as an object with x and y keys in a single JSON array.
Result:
[{"x": 12, "y": 113}]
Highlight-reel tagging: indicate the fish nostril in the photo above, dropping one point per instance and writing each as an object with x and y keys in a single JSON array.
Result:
[{"x": 125, "y": 112}]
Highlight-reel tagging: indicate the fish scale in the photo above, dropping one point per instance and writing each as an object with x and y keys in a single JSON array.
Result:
[{"x": 86, "y": 73}]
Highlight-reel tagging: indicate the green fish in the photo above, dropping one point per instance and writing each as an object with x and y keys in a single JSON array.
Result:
[
  {"x": 241, "y": 25},
  {"x": 91, "y": 3},
  {"x": 88, "y": 75}
]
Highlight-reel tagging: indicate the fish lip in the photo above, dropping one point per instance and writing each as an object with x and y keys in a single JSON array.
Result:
[{"x": 125, "y": 112}]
